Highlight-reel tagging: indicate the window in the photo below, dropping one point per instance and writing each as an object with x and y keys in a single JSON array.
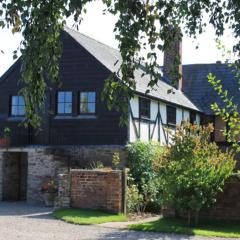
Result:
[
  {"x": 171, "y": 115},
  {"x": 144, "y": 107},
  {"x": 64, "y": 102},
  {"x": 17, "y": 106},
  {"x": 192, "y": 117},
  {"x": 87, "y": 103}
]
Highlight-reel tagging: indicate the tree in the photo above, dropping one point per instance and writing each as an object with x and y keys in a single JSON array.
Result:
[
  {"x": 194, "y": 170},
  {"x": 141, "y": 24}
]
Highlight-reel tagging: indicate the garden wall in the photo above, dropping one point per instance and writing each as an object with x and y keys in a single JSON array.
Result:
[
  {"x": 92, "y": 189},
  {"x": 227, "y": 206},
  {"x": 46, "y": 162},
  {"x": 228, "y": 202}
]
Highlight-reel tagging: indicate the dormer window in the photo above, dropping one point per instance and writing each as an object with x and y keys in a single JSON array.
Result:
[{"x": 17, "y": 106}]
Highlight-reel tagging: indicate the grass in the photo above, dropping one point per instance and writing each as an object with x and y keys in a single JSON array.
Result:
[
  {"x": 80, "y": 216},
  {"x": 228, "y": 229}
]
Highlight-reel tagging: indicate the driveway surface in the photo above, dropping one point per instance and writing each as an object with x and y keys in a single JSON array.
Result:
[{"x": 19, "y": 221}]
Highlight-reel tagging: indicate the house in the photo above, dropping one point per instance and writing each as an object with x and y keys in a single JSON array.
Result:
[
  {"x": 200, "y": 92},
  {"x": 78, "y": 129}
]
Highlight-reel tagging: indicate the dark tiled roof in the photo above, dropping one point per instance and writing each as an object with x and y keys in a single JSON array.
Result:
[
  {"x": 111, "y": 59},
  {"x": 201, "y": 92}
]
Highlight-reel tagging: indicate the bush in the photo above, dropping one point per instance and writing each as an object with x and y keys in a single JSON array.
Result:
[
  {"x": 143, "y": 158},
  {"x": 135, "y": 202},
  {"x": 194, "y": 170}
]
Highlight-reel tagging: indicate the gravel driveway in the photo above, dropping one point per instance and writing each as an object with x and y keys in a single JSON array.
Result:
[{"x": 19, "y": 221}]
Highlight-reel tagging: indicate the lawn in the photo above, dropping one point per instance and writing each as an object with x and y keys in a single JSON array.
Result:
[
  {"x": 80, "y": 216},
  {"x": 206, "y": 228}
]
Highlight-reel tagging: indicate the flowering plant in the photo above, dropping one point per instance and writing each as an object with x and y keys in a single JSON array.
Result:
[{"x": 49, "y": 187}]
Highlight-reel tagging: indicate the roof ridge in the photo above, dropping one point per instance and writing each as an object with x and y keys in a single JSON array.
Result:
[
  {"x": 87, "y": 36},
  {"x": 195, "y": 64}
]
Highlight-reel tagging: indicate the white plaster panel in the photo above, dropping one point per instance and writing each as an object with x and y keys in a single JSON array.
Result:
[
  {"x": 144, "y": 132},
  {"x": 134, "y": 103}
]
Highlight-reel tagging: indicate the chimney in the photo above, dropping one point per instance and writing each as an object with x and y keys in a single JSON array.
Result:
[{"x": 172, "y": 62}]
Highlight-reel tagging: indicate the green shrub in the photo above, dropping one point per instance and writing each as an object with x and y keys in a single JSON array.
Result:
[
  {"x": 143, "y": 158},
  {"x": 194, "y": 170},
  {"x": 116, "y": 160},
  {"x": 135, "y": 202}
]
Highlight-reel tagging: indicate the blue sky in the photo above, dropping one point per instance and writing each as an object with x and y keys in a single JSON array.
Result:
[{"x": 101, "y": 27}]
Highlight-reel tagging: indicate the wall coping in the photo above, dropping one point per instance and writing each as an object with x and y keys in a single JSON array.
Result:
[
  {"x": 96, "y": 170},
  {"x": 32, "y": 148}
]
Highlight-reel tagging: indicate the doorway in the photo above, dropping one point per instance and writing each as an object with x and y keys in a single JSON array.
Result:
[{"x": 15, "y": 170}]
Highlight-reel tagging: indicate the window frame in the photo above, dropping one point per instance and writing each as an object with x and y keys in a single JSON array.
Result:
[
  {"x": 57, "y": 102},
  {"x": 11, "y": 105},
  {"x": 192, "y": 113},
  {"x": 173, "y": 124},
  {"x": 79, "y": 102},
  {"x": 141, "y": 116}
]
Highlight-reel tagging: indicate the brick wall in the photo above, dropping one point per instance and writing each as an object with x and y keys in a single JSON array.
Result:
[
  {"x": 228, "y": 202},
  {"x": 46, "y": 162},
  {"x": 227, "y": 206},
  {"x": 96, "y": 189}
]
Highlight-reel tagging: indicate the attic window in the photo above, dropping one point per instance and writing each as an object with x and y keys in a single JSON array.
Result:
[
  {"x": 171, "y": 115},
  {"x": 144, "y": 107}
]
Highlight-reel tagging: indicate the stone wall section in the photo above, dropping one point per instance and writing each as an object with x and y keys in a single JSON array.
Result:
[
  {"x": 64, "y": 191},
  {"x": 42, "y": 167},
  {"x": 83, "y": 156},
  {"x": 96, "y": 189}
]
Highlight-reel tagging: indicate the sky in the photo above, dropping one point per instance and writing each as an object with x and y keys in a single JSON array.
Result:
[{"x": 100, "y": 27}]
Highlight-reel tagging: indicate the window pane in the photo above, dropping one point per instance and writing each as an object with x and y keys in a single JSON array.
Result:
[
  {"x": 192, "y": 118},
  {"x": 60, "y": 108},
  {"x": 21, "y": 110},
  {"x": 83, "y": 107},
  {"x": 144, "y": 107},
  {"x": 21, "y": 101},
  {"x": 64, "y": 102},
  {"x": 91, "y": 97},
  {"x": 91, "y": 107},
  {"x": 14, "y": 110},
  {"x": 61, "y": 97},
  {"x": 171, "y": 115},
  {"x": 68, "y": 108},
  {"x": 68, "y": 97},
  {"x": 17, "y": 106},
  {"x": 14, "y": 100},
  {"x": 83, "y": 97}
]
